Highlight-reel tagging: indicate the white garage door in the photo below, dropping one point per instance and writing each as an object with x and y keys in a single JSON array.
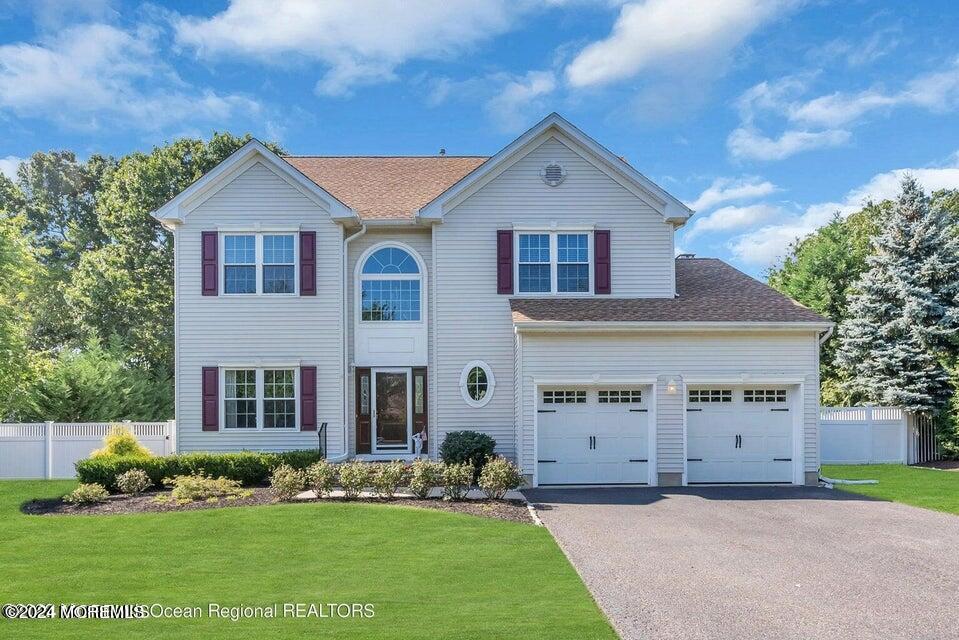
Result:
[
  {"x": 738, "y": 434},
  {"x": 593, "y": 435}
]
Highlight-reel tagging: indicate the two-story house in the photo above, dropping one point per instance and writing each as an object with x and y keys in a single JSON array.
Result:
[{"x": 533, "y": 295}]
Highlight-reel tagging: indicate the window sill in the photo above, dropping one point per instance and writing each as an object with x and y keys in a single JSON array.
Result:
[{"x": 260, "y": 429}]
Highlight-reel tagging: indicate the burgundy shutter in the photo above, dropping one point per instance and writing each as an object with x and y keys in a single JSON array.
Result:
[
  {"x": 504, "y": 262},
  {"x": 307, "y": 398},
  {"x": 602, "y": 265},
  {"x": 211, "y": 399},
  {"x": 308, "y": 263},
  {"x": 208, "y": 252}
]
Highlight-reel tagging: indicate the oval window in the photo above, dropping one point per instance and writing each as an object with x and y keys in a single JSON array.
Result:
[{"x": 476, "y": 383}]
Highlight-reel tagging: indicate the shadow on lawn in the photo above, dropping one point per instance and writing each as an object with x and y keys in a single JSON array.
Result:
[{"x": 542, "y": 497}]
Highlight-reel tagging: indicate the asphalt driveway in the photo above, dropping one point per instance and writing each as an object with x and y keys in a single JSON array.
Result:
[{"x": 759, "y": 562}]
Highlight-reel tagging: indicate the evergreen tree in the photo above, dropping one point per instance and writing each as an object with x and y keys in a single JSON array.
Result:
[{"x": 903, "y": 319}]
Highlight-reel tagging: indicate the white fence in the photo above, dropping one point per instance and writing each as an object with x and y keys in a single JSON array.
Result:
[
  {"x": 863, "y": 435},
  {"x": 49, "y": 449}
]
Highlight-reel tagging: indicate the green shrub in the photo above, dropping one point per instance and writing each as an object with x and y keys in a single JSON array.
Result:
[
  {"x": 387, "y": 478},
  {"x": 249, "y": 468},
  {"x": 286, "y": 482},
  {"x": 321, "y": 478},
  {"x": 87, "y": 494},
  {"x": 120, "y": 441},
  {"x": 457, "y": 480},
  {"x": 354, "y": 477},
  {"x": 134, "y": 481},
  {"x": 469, "y": 447},
  {"x": 499, "y": 475},
  {"x": 199, "y": 487},
  {"x": 424, "y": 475}
]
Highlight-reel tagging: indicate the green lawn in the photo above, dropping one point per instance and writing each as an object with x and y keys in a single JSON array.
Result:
[
  {"x": 927, "y": 488},
  {"x": 427, "y": 573}
]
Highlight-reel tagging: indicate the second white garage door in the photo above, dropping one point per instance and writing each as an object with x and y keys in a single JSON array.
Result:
[
  {"x": 739, "y": 435},
  {"x": 593, "y": 435}
]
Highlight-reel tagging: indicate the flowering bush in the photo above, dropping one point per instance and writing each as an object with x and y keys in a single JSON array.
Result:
[
  {"x": 499, "y": 475},
  {"x": 120, "y": 441},
  {"x": 87, "y": 494},
  {"x": 321, "y": 478},
  {"x": 457, "y": 480},
  {"x": 387, "y": 478},
  {"x": 286, "y": 482},
  {"x": 201, "y": 487},
  {"x": 354, "y": 477},
  {"x": 424, "y": 475},
  {"x": 134, "y": 481}
]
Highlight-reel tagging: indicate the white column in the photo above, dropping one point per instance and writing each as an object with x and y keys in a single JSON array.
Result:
[{"x": 48, "y": 441}]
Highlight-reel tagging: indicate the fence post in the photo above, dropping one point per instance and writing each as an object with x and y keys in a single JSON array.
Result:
[
  {"x": 48, "y": 441},
  {"x": 171, "y": 438},
  {"x": 904, "y": 440},
  {"x": 870, "y": 452}
]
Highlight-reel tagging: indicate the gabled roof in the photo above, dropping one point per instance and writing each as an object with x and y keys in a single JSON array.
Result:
[
  {"x": 386, "y": 188},
  {"x": 671, "y": 207},
  {"x": 174, "y": 211},
  {"x": 707, "y": 291}
]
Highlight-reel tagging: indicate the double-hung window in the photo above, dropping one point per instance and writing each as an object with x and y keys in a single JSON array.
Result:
[
  {"x": 260, "y": 398},
  {"x": 555, "y": 262},
  {"x": 259, "y": 263}
]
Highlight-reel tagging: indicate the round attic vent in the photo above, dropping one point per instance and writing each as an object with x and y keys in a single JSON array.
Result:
[{"x": 553, "y": 174}]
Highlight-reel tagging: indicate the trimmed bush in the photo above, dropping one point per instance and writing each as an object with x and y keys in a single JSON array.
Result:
[
  {"x": 354, "y": 477},
  {"x": 387, "y": 478},
  {"x": 457, "y": 480},
  {"x": 470, "y": 447},
  {"x": 499, "y": 475},
  {"x": 199, "y": 487},
  {"x": 286, "y": 482},
  {"x": 87, "y": 494},
  {"x": 424, "y": 475},
  {"x": 134, "y": 481},
  {"x": 120, "y": 441},
  {"x": 249, "y": 468},
  {"x": 321, "y": 478}
]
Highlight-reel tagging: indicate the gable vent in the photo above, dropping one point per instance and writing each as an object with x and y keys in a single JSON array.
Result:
[{"x": 553, "y": 174}]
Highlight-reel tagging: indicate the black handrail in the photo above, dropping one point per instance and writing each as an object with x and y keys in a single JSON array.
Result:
[{"x": 321, "y": 440}]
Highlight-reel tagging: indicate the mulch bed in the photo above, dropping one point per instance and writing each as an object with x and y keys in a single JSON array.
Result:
[
  {"x": 947, "y": 465},
  {"x": 514, "y": 511}
]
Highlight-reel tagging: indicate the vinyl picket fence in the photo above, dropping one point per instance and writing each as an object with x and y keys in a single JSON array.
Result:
[
  {"x": 50, "y": 449},
  {"x": 867, "y": 435}
]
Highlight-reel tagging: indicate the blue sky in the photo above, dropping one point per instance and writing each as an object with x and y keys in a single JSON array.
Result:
[{"x": 766, "y": 116}]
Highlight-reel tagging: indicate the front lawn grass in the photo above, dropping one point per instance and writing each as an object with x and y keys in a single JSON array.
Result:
[
  {"x": 428, "y": 574},
  {"x": 917, "y": 486}
]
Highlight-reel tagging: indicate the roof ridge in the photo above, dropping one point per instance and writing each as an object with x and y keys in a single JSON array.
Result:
[{"x": 414, "y": 157}]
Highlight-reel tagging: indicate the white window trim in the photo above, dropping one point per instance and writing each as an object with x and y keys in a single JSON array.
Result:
[
  {"x": 553, "y": 232},
  {"x": 258, "y": 244},
  {"x": 490, "y": 383},
  {"x": 359, "y": 277},
  {"x": 260, "y": 398}
]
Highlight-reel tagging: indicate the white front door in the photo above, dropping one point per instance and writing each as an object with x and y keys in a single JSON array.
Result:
[
  {"x": 739, "y": 434},
  {"x": 593, "y": 435},
  {"x": 392, "y": 411}
]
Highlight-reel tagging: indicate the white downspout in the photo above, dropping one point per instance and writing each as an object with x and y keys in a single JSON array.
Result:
[
  {"x": 345, "y": 347},
  {"x": 825, "y": 336}
]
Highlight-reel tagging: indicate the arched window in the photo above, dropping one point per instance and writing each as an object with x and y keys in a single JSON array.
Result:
[{"x": 390, "y": 287}]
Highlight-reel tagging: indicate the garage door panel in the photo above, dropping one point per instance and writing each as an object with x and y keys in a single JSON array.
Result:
[{"x": 738, "y": 441}]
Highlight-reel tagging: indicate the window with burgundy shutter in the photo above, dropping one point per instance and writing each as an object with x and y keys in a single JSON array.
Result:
[
  {"x": 208, "y": 268},
  {"x": 504, "y": 262},
  {"x": 307, "y": 398},
  {"x": 307, "y": 263}
]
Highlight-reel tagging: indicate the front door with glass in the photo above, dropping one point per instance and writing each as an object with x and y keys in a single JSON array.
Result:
[{"x": 392, "y": 411}]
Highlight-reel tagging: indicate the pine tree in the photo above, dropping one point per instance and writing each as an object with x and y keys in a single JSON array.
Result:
[{"x": 904, "y": 317}]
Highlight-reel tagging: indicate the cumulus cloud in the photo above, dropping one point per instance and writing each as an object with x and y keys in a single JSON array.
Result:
[
  {"x": 9, "y": 165},
  {"x": 357, "y": 42},
  {"x": 92, "y": 74},
  {"x": 766, "y": 245},
  {"x": 520, "y": 100},
  {"x": 749, "y": 143},
  {"x": 655, "y": 32},
  {"x": 731, "y": 190},
  {"x": 732, "y": 218}
]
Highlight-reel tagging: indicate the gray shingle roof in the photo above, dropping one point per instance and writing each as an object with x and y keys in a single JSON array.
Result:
[{"x": 709, "y": 290}]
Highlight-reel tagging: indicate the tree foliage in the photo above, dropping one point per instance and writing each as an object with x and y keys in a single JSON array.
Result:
[{"x": 903, "y": 319}]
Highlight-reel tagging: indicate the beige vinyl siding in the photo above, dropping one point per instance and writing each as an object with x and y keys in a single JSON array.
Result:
[
  {"x": 418, "y": 239},
  {"x": 662, "y": 356},
  {"x": 472, "y": 321},
  {"x": 234, "y": 329}
]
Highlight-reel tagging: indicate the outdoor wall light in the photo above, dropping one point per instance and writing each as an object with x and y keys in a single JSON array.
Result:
[{"x": 672, "y": 386}]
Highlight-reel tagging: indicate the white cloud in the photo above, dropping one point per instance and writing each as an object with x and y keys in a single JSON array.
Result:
[
  {"x": 655, "y": 32},
  {"x": 88, "y": 75},
  {"x": 858, "y": 53},
  {"x": 765, "y": 246},
  {"x": 731, "y": 190},
  {"x": 732, "y": 218},
  {"x": 9, "y": 165},
  {"x": 749, "y": 143},
  {"x": 521, "y": 100},
  {"x": 358, "y": 42}
]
